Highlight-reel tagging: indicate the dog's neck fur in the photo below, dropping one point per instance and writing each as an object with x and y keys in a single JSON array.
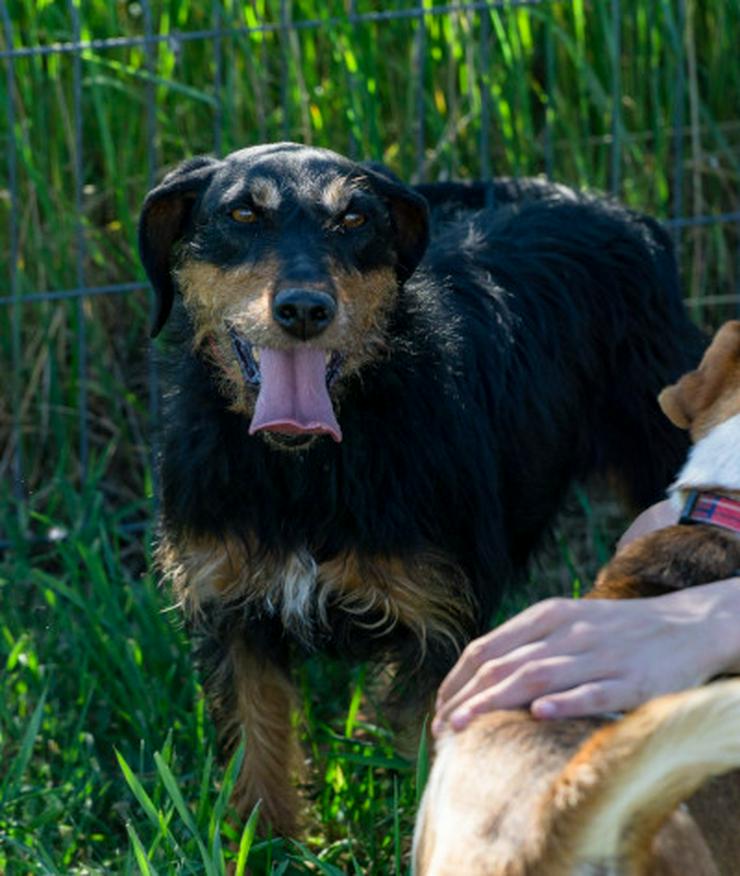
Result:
[{"x": 713, "y": 464}]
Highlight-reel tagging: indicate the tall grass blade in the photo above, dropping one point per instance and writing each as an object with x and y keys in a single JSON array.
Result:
[
  {"x": 144, "y": 800},
  {"x": 142, "y": 858},
  {"x": 422, "y": 761},
  {"x": 14, "y": 774},
  {"x": 247, "y": 838},
  {"x": 184, "y": 812}
]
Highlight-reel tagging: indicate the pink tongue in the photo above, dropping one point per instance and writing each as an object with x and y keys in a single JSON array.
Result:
[{"x": 293, "y": 398}]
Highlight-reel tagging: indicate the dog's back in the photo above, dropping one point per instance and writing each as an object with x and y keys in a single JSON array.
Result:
[
  {"x": 511, "y": 796},
  {"x": 573, "y": 277}
]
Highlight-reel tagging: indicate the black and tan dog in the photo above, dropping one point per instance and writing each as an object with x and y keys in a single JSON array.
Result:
[
  {"x": 368, "y": 430},
  {"x": 605, "y": 800}
]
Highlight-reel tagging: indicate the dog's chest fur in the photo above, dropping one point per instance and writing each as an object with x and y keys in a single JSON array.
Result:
[
  {"x": 713, "y": 463},
  {"x": 424, "y": 592}
]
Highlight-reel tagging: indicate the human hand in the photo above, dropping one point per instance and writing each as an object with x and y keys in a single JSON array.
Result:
[
  {"x": 566, "y": 658},
  {"x": 657, "y": 516}
]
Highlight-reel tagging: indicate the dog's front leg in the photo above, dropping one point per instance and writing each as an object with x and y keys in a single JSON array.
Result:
[
  {"x": 251, "y": 697},
  {"x": 245, "y": 669}
]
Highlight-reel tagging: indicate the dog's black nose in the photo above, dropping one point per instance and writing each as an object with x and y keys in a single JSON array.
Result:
[{"x": 303, "y": 313}]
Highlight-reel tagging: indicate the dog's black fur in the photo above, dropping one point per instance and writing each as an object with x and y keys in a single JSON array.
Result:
[{"x": 521, "y": 349}]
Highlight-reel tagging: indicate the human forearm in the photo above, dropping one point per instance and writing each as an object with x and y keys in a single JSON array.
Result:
[{"x": 722, "y": 634}]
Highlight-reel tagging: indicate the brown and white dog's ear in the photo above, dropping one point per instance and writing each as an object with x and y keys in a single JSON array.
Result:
[
  {"x": 673, "y": 404},
  {"x": 612, "y": 798},
  {"x": 162, "y": 223},
  {"x": 698, "y": 391}
]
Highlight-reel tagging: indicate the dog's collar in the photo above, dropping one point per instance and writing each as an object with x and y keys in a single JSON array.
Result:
[{"x": 711, "y": 508}]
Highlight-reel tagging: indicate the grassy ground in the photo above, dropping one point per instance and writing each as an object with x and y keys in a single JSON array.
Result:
[{"x": 106, "y": 755}]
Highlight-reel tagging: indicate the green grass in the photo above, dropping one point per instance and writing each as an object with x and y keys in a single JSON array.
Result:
[
  {"x": 534, "y": 84},
  {"x": 106, "y": 754}
]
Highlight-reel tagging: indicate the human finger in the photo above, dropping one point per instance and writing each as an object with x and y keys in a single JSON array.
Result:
[
  {"x": 657, "y": 516},
  {"x": 531, "y": 681},
  {"x": 488, "y": 676},
  {"x": 592, "y": 698},
  {"x": 525, "y": 628}
]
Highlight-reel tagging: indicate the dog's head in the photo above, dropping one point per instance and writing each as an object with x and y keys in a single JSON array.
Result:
[
  {"x": 704, "y": 398},
  {"x": 289, "y": 260}
]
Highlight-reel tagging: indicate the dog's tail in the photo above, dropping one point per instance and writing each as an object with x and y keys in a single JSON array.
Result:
[
  {"x": 486, "y": 812},
  {"x": 623, "y": 784}
]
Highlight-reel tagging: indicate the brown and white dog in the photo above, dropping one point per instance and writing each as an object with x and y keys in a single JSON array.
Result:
[
  {"x": 705, "y": 545},
  {"x": 513, "y": 796}
]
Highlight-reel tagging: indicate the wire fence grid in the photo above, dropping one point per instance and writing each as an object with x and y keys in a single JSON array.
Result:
[{"x": 474, "y": 89}]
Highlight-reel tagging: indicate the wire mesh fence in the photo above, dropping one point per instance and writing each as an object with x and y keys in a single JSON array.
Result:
[{"x": 635, "y": 97}]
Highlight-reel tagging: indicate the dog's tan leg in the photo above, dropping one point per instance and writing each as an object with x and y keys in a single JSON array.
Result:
[
  {"x": 248, "y": 688},
  {"x": 251, "y": 695}
]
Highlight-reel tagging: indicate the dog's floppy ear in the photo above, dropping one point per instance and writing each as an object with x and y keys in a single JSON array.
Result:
[
  {"x": 162, "y": 222},
  {"x": 672, "y": 404},
  {"x": 697, "y": 390},
  {"x": 409, "y": 215}
]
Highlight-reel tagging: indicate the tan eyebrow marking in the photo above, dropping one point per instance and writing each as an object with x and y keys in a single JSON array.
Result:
[
  {"x": 265, "y": 193},
  {"x": 337, "y": 193}
]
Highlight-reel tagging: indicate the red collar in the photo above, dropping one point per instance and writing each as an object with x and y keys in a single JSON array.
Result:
[{"x": 712, "y": 509}]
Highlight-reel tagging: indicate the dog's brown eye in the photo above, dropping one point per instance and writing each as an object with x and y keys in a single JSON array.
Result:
[
  {"x": 244, "y": 214},
  {"x": 352, "y": 219}
]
